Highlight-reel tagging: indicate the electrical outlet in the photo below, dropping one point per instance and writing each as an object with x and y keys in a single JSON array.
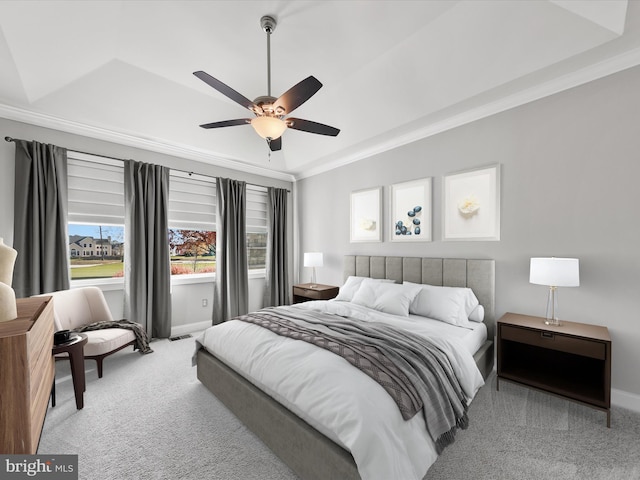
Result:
[{"x": 205, "y": 302}]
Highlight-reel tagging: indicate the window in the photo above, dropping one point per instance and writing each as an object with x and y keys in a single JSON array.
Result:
[
  {"x": 192, "y": 215},
  {"x": 192, "y": 224},
  {"x": 96, "y": 217},
  {"x": 192, "y": 251},
  {"x": 256, "y": 227},
  {"x": 107, "y": 259}
]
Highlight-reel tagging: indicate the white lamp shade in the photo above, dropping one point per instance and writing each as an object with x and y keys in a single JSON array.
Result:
[
  {"x": 555, "y": 272},
  {"x": 268, "y": 127},
  {"x": 313, "y": 259}
]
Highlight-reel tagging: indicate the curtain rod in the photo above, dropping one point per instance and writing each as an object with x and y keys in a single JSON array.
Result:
[{"x": 9, "y": 139}]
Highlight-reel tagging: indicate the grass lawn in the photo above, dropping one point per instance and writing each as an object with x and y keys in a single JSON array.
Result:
[
  {"x": 184, "y": 266},
  {"x": 104, "y": 270},
  {"x": 85, "y": 269}
]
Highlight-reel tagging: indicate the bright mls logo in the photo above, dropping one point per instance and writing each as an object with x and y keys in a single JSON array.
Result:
[{"x": 51, "y": 467}]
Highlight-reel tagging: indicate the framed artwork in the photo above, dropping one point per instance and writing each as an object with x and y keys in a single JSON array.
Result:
[
  {"x": 366, "y": 215},
  {"x": 411, "y": 211},
  {"x": 472, "y": 204}
]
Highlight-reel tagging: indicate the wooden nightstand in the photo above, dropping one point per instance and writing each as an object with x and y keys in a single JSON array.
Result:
[
  {"x": 305, "y": 292},
  {"x": 572, "y": 360}
]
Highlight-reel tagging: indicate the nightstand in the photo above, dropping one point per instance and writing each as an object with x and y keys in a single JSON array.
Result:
[
  {"x": 572, "y": 360},
  {"x": 307, "y": 291}
]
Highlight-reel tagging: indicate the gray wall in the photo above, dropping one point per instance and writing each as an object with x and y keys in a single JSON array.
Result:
[
  {"x": 186, "y": 299},
  {"x": 570, "y": 174}
]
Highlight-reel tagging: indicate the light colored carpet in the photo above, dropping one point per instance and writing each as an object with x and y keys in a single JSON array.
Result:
[
  {"x": 523, "y": 434},
  {"x": 150, "y": 418}
]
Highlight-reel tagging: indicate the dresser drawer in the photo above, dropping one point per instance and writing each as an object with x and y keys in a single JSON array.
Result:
[{"x": 554, "y": 341}]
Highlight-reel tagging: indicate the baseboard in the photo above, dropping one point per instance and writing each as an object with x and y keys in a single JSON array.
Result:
[
  {"x": 630, "y": 401},
  {"x": 190, "y": 328}
]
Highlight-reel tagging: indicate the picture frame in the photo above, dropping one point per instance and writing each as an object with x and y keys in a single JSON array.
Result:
[
  {"x": 366, "y": 215},
  {"x": 471, "y": 204},
  {"x": 411, "y": 211}
]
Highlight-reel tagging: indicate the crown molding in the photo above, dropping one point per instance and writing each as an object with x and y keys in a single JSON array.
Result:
[
  {"x": 579, "y": 77},
  {"x": 175, "y": 150}
]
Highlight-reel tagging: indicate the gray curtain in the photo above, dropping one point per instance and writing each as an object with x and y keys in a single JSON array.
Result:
[
  {"x": 40, "y": 219},
  {"x": 231, "y": 291},
  {"x": 277, "y": 291},
  {"x": 146, "y": 247}
]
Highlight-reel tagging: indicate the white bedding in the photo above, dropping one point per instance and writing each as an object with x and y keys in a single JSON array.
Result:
[
  {"x": 339, "y": 400},
  {"x": 472, "y": 337}
]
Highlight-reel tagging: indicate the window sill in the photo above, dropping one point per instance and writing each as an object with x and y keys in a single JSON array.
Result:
[
  {"x": 193, "y": 278},
  {"x": 109, "y": 284},
  {"x": 104, "y": 284}
]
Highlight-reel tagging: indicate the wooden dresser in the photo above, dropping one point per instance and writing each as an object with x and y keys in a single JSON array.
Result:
[{"x": 26, "y": 375}]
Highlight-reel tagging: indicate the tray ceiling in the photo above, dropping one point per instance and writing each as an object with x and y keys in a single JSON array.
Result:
[{"x": 393, "y": 71}]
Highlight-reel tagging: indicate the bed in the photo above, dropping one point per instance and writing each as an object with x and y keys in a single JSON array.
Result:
[{"x": 311, "y": 448}]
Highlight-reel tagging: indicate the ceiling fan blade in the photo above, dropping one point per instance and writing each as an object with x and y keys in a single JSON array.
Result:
[
  {"x": 225, "y": 90},
  {"x": 227, "y": 123},
  {"x": 276, "y": 144},
  {"x": 311, "y": 127},
  {"x": 297, "y": 95}
]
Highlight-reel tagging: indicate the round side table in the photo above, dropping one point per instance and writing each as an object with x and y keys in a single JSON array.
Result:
[{"x": 75, "y": 349}]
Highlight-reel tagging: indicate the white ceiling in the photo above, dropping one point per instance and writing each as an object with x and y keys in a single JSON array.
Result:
[{"x": 393, "y": 71}]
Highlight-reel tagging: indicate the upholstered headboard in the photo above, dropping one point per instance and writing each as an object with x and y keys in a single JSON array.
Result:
[{"x": 479, "y": 275}]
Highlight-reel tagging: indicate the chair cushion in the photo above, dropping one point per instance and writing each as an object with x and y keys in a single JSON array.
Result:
[{"x": 104, "y": 341}]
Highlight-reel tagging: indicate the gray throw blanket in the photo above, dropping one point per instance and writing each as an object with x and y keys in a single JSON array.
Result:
[
  {"x": 433, "y": 383},
  {"x": 367, "y": 358},
  {"x": 142, "y": 340}
]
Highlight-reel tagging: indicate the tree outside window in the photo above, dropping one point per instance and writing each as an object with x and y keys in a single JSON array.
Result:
[{"x": 192, "y": 251}]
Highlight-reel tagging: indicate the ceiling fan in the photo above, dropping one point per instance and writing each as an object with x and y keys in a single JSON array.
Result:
[{"x": 271, "y": 119}]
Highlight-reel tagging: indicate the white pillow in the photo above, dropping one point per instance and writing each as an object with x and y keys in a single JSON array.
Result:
[
  {"x": 393, "y": 298},
  {"x": 477, "y": 314},
  {"x": 352, "y": 285},
  {"x": 447, "y": 304}
]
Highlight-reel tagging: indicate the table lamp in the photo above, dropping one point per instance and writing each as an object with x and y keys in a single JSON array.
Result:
[
  {"x": 554, "y": 272},
  {"x": 313, "y": 259}
]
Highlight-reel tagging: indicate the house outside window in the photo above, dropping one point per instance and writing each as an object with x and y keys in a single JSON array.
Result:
[{"x": 105, "y": 261}]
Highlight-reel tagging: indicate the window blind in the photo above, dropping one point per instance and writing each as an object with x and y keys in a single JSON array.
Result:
[
  {"x": 256, "y": 209},
  {"x": 192, "y": 201},
  {"x": 96, "y": 189}
]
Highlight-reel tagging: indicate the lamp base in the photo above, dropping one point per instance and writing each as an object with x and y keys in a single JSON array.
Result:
[
  {"x": 552, "y": 308},
  {"x": 313, "y": 278}
]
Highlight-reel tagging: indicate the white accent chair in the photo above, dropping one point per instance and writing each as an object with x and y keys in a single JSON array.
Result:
[{"x": 83, "y": 306}]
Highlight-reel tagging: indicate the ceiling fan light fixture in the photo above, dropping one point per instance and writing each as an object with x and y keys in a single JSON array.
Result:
[
  {"x": 270, "y": 121},
  {"x": 268, "y": 127}
]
